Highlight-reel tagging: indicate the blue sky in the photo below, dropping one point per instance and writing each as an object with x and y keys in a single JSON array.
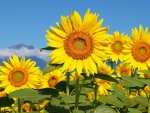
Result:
[{"x": 27, "y": 20}]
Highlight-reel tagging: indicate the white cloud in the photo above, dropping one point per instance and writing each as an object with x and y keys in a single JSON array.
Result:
[{"x": 8, "y": 52}]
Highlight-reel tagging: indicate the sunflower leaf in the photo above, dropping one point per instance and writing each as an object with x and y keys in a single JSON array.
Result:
[
  {"x": 50, "y": 68},
  {"x": 105, "y": 77},
  {"x": 104, "y": 109},
  {"x": 133, "y": 110},
  {"x": 131, "y": 82},
  {"x": 145, "y": 71},
  {"x": 6, "y": 102},
  {"x": 112, "y": 99},
  {"x": 47, "y": 48}
]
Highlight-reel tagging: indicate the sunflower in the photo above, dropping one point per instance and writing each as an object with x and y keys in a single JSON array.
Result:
[
  {"x": 105, "y": 69},
  {"x": 133, "y": 94},
  {"x": 79, "y": 44},
  {"x": 104, "y": 85},
  {"x": 137, "y": 49},
  {"x": 17, "y": 74},
  {"x": 116, "y": 46},
  {"x": 50, "y": 79},
  {"x": 145, "y": 92},
  {"x": 123, "y": 69}
]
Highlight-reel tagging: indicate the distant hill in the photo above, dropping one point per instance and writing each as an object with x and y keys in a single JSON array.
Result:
[{"x": 28, "y": 51}]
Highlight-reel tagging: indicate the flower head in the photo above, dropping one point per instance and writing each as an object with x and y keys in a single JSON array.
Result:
[
  {"x": 17, "y": 74},
  {"x": 79, "y": 44},
  {"x": 50, "y": 79},
  {"x": 105, "y": 69},
  {"x": 123, "y": 69},
  {"x": 137, "y": 49},
  {"x": 116, "y": 46}
]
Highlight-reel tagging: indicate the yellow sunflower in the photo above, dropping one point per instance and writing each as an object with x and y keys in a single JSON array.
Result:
[
  {"x": 17, "y": 74},
  {"x": 145, "y": 92},
  {"x": 123, "y": 69},
  {"x": 104, "y": 68},
  {"x": 133, "y": 94},
  {"x": 116, "y": 46},
  {"x": 50, "y": 79},
  {"x": 104, "y": 85},
  {"x": 137, "y": 48},
  {"x": 79, "y": 44}
]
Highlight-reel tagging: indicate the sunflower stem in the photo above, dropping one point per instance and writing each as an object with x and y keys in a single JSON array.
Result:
[
  {"x": 67, "y": 85},
  {"x": 112, "y": 64},
  {"x": 77, "y": 92},
  {"x": 19, "y": 105},
  {"x": 149, "y": 105},
  {"x": 95, "y": 94}
]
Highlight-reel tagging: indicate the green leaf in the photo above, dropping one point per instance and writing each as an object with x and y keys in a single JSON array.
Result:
[
  {"x": 136, "y": 100},
  {"x": 55, "y": 101},
  {"x": 47, "y": 48},
  {"x": 85, "y": 90},
  {"x": 6, "y": 102},
  {"x": 23, "y": 93},
  {"x": 133, "y": 110},
  {"x": 48, "y": 91},
  {"x": 144, "y": 80},
  {"x": 144, "y": 71},
  {"x": 50, "y": 68},
  {"x": 142, "y": 101},
  {"x": 78, "y": 111},
  {"x": 104, "y": 109},
  {"x": 55, "y": 109},
  {"x": 113, "y": 100},
  {"x": 31, "y": 95},
  {"x": 71, "y": 99},
  {"x": 68, "y": 99},
  {"x": 129, "y": 102},
  {"x": 105, "y": 77},
  {"x": 120, "y": 93},
  {"x": 131, "y": 82}
]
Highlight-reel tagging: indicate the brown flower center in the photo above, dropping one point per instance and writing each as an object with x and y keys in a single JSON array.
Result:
[
  {"x": 141, "y": 51},
  {"x": 18, "y": 77},
  {"x": 79, "y": 45},
  {"x": 117, "y": 47},
  {"x": 53, "y": 80}
]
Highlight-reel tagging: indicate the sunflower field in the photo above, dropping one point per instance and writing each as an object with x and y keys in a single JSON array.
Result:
[{"x": 89, "y": 71}]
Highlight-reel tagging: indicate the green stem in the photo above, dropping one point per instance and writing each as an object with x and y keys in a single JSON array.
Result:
[
  {"x": 149, "y": 106},
  {"x": 77, "y": 92},
  {"x": 95, "y": 94},
  {"x": 67, "y": 85},
  {"x": 19, "y": 105},
  {"x": 112, "y": 64}
]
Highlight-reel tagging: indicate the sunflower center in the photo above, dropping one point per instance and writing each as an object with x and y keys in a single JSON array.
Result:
[
  {"x": 141, "y": 51},
  {"x": 117, "y": 47},
  {"x": 124, "y": 72},
  {"x": 18, "y": 77},
  {"x": 78, "y": 45},
  {"x": 52, "y": 81}
]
